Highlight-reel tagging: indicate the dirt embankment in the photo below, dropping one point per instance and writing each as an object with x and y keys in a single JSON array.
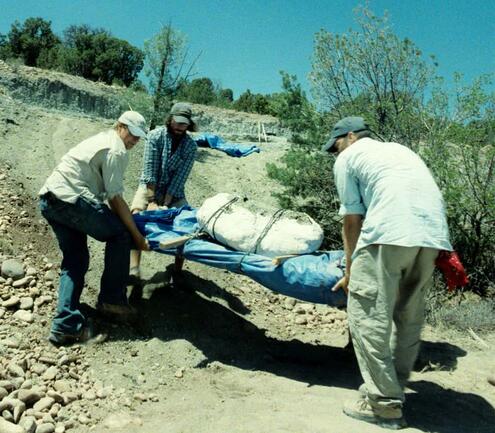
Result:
[
  {"x": 215, "y": 352},
  {"x": 68, "y": 93}
]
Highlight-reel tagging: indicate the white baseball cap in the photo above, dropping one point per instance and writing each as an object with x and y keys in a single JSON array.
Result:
[{"x": 135, "y": 122}]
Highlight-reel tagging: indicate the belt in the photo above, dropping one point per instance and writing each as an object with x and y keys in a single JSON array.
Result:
[{"x": 49, "y": 197}]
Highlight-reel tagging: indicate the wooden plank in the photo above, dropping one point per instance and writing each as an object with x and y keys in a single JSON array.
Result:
[{"x": 175, "y": 242}]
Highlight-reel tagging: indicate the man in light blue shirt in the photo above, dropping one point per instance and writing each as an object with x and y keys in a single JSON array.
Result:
[{"x": 394, "y": 227}]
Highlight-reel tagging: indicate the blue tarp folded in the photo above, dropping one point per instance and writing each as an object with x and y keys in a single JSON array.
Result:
[
  {"x": 232, "y": 149},
  {"x": 308, "y": 277}
]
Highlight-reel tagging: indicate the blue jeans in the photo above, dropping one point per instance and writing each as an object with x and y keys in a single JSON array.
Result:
[{"x": 72, "y": 223}]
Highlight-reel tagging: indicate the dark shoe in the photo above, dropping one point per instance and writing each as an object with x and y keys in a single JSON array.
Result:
[
  {"x": 118, "y": 313},
  {"x": 389, "y": 417},
  {"x": 134, "y": 276},
  {"x": 86, "y": 335}
]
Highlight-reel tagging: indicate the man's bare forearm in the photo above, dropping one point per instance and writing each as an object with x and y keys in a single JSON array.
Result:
[
  {"x": 120, "y": 207},
  {"x": 350, "y": 235}
]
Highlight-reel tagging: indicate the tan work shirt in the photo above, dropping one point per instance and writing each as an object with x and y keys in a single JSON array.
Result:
[{"x": 93, "y": 169}]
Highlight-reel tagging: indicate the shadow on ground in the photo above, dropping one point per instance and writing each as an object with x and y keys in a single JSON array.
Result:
[
  {"x": 187, "y": 310},
  {"x": 434, "y": 408}
]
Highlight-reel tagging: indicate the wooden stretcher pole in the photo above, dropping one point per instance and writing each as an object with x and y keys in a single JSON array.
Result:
[
  {"x": 175, "y": 242},
  {"x": 280, "y": 259}
]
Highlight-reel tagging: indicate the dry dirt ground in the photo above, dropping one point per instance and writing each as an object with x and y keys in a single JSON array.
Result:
[{"x": 214, "y": 352}]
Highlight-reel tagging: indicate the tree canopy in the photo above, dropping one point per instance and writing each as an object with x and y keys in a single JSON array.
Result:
[
  {"x": 96, "y": 55},
  {"x": 371, "y": 71},
  {"x": 31, "y": 39}
]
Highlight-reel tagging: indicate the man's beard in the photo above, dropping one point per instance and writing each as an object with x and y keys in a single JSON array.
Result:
[{"x": 175, "y": 134}]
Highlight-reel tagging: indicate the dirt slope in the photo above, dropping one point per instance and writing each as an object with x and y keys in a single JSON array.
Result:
[{"x": 215, "y": 352}]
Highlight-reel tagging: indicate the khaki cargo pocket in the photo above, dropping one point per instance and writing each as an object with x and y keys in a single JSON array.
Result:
[{"x": 364, "y": 278}]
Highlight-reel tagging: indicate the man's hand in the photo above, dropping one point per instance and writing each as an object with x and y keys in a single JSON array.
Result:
[
  {"x": 153, "y": 206},
  {"x": 142, "y": 244},
  {"x": 342, "y": 284}
]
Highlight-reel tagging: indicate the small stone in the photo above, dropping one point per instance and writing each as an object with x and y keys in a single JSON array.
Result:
[
  {"x": 289, "y": 303},
  {"x": 83, "y": 419},
  {"x": 47, "y": 418},
  {"x": 42, "y": 300},
  {"x": 62, "y": 386},
  {"x": 21, "y": 282},
  {"x": 12, "y": 268},
  {"x": 8, "y": 427},
  {"x": 11, "y": 342},
  {"x": 50, "y": 373},
  {"x": 54, "y": 410},
  {"x": 29, "y": 396},
  {"x": 43, "y": 404},
  {"x": 27, "y": 384},
  {"x": 8, "y": 385},
  {"x": 3, "y": 393},
  {"x": 45, "y": 428},
  {"x": 24, "y": 316},
  {"x": 63, "y": 360},
  {"x": 50, "y": 275},
  {"x": 26, "y": 303},
  {"x": 15, "y": 370},
  {"x": 31, "y": 272},
  {"x": 89, "y": 395},
  {"x": 102, "y": 392},
  {"x": 11, "y": 302},
  {"x": 7, "y": 415},
  {"x": 327, "y": 319},
  {"x": 140, "y": 396},
  {"x": 38, "y": 368},
  {"x": 179, "y": 373},
  {"x": 69, "y": 397},
  {"x": 59, "y": 428},
  {"x": 29, "y": 424},
  {"x": 301, "y": 320},
  {"x": 55, "y": 395}
]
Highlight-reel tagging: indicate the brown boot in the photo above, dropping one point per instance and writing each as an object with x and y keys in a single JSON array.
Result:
[{"x": 118, "y": 313}]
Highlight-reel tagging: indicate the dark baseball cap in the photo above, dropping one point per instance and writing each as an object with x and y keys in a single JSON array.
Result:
[
  {"x": 343, "y": 127},
  {"x": 182, "y": 113}
]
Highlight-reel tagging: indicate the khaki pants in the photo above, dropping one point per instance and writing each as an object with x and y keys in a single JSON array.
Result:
[
  {"x": 386, "y": 314},
  {"x": 140, "y": 201}
]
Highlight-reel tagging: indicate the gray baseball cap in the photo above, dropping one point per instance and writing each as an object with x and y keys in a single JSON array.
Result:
[
  {"x": 343, "y": 127},
  {"x": 135, "y": 122}
]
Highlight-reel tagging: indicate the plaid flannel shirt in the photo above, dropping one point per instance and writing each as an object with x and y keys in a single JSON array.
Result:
[{"x": 167, "y": 171}]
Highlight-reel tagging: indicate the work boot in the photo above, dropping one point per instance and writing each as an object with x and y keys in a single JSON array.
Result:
[
  {"x": 134, "y": 276},
  {"x": 118, "y": 313},
  {"x": 86, "y": 335},
  {"x": 389, "y": 417}
]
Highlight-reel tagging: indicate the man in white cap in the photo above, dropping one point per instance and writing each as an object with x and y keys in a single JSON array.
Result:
[
  {"x": 74, "y": 202},
  {"x": 394, "y": 227},
  {"x": 169, "y": 154}
]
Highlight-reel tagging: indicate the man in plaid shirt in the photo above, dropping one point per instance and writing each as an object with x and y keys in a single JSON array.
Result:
[{"x": 169, "y": 155}]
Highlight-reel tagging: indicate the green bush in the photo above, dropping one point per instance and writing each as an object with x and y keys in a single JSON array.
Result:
[
  {"x": 460, "y": 311},
  {"x": 454, "y": 133}
]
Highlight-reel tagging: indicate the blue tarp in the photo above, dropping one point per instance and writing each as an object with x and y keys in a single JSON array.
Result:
[
  {"x": 307, "y": 277},
  {"x": 232, "y": 149}
]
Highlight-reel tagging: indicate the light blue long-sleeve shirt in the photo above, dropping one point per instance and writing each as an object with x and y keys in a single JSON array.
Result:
[{"x": 391, "y": 187}]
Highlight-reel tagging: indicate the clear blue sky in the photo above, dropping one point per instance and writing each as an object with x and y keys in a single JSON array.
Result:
[{"x": 245, "y": 43}]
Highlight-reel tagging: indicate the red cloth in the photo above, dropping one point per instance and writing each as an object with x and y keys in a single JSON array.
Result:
[{"x": 452, "y": 269}]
